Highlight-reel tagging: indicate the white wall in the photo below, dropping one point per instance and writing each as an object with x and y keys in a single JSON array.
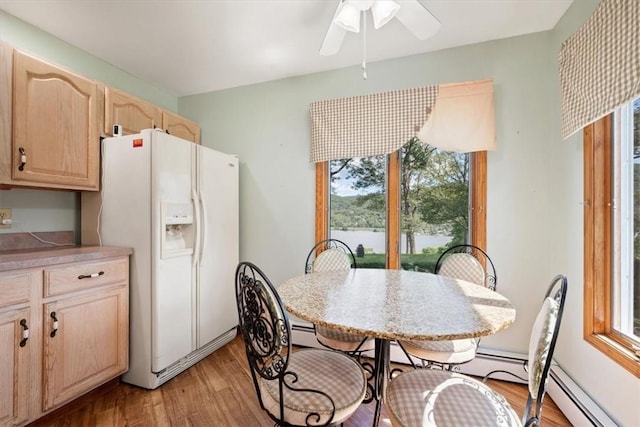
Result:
[{"x": 534, "y": 216}]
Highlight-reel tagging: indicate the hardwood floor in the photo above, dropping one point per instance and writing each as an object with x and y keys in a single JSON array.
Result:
[{"x": 217, "y": 391}]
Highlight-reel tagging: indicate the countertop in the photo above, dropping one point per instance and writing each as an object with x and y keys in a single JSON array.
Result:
[{"x": 33, "y": 258}]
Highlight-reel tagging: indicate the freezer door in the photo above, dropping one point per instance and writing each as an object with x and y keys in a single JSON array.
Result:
[
  {"x": 173, "y": 291},
  {"x": 218, "y": 189}
]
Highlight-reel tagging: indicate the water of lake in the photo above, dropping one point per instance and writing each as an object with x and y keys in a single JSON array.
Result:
[{"x": 375, "y": 240}]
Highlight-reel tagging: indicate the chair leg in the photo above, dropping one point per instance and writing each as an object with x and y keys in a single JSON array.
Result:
[
  {"x": 406, "y": 353},
  {"x": 356, "y": 352}
]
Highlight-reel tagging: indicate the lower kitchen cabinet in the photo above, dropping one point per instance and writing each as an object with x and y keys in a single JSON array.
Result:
[
  {"x": 85, "y": 342},
  {"x": 14, "y": 368},
  {"x": 63, "y": 332},
  {"x": 17, "y": 344}
]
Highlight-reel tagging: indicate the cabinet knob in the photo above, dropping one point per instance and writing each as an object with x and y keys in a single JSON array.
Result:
[
  {"x": 25, "y": 332},
  {"x": 55, "y": 324},
  {"x": 23, "y": 159}
]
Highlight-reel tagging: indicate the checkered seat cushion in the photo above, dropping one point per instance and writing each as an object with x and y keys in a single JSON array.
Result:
[
  {"x": 463, "y": 266},
  {"x": 338, "y": 376},
  {"x": 334, "y": 259},
  {"x": 444, "y": 352},
  {"x": 428, "y": 397},
  {"x": 343, "y": 341}
]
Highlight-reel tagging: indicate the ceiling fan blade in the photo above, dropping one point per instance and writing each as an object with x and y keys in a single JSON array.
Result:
[
  {"x": 334, "y": 37},
  {"x": 332, "y": 40},
  {"x": 417, "y": 19}
]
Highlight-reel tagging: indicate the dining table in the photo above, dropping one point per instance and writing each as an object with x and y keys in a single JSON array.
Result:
[{"x": 390, "y": 305}]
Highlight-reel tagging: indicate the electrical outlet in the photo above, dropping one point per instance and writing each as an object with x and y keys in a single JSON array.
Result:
[{"x": 5, "y": 218}]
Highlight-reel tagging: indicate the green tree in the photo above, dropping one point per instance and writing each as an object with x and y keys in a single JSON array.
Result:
[
  {"x": 368, "y": 173},
  {"x": 433, "y": 191},
  {"x": 415, "y": 160},
  {"x": 446, "y": 199}
]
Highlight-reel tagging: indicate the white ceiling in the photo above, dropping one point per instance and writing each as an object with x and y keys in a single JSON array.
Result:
[{"x": 194, "y": 46}]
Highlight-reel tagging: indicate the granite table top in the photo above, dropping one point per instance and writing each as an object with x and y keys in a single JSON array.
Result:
[{"x": 397, "y": 304}]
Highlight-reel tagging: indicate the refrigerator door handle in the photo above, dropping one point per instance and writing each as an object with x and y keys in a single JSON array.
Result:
[
  {"x": 196, "y": 208},
  {"x": 202, "y": 228}
]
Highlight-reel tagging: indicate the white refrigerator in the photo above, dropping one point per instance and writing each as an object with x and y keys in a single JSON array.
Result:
[{"x": 176, "y": 204}]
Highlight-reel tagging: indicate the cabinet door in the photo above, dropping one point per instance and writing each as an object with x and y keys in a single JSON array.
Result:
[
  {"x": 55, "y": 126},
  {"x": 14, "y": 367},
  {"x": 6, "y": 81},
  {"x": 131, "y": 113},
  {"x": 180, "y": 127},
  {"x": 85, "y": 343}
]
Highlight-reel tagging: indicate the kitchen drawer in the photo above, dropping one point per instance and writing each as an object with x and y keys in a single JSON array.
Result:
[
  {"x": 16, "y": 286},
  {"x": 74, "y": 277}
]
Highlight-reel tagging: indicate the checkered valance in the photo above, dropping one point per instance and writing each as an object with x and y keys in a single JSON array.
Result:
[
  {"x": 600, "y": 64},
  {"x": 368, "y": 125},
  {"x": 453, "y": 117}
]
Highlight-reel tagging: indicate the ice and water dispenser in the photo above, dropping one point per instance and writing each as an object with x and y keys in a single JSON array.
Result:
[{"x": 178, "y": 229}]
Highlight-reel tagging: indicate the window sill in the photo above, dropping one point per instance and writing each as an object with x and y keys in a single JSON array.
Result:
[{"x": 619, "y": 352}]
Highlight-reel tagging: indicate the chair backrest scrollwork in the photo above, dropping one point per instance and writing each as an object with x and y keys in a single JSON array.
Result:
[
  {"x": 266, "y": 332},
  {"x": 263, "y": 322}
]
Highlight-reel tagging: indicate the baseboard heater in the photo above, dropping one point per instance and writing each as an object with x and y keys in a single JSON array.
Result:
[
  {"x": 574, "y": 403},
  {"x": 194, "y": 357}
]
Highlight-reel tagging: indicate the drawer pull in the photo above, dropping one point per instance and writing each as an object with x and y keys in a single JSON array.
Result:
[
  {"x": 23, "y": 159},
  {"x": 89, "y": 276},
  {"x": 25, "y": 332},
  {"x": 55, "y": 324}
]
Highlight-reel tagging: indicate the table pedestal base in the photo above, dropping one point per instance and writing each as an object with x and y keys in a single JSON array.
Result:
[{"x": 381, "y": 375}]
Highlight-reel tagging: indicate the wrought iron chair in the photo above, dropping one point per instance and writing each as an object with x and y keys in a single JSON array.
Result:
[
  {"x": 433, "y": 397},
  {"x": 464, "y": 262},
  {"x": 330, "y": 255},
  {"x": 310, "y": 387},
  {"x": 333, "y": 255},
  {"x": 468, "y": 262}
]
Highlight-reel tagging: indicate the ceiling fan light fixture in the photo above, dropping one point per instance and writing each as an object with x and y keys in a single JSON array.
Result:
[
  {"x": 383, "y": 11},
  {"x": 348, "y": 17}
]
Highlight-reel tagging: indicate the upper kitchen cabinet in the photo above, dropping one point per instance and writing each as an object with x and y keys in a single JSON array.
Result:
[
  {"x": 180, "y": 127},
  {"x": 131, "y": 113},
  {"x": 56, "y": 120},
  {"x": 134, "y": 114}
]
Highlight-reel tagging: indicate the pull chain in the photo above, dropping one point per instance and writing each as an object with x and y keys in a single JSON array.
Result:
[{"x": 364, "y": 45}]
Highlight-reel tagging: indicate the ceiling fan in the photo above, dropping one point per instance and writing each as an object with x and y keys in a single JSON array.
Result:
[{"x": 347, "y": 18}]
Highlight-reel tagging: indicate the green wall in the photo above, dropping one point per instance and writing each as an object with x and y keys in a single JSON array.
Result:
[
  {"x": 534, "y": 209},
  {"x": 36, "y": 210}
]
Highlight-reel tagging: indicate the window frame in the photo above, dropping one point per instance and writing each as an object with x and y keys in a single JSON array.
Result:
[
  {"x": 599, "y": 330},
  {"x": 477, "y": 203}
]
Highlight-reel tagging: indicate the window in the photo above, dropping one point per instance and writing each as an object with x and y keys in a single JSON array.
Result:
[
  {"x": 383, "y": 206},
  {"x": 612, "y": 235}
]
